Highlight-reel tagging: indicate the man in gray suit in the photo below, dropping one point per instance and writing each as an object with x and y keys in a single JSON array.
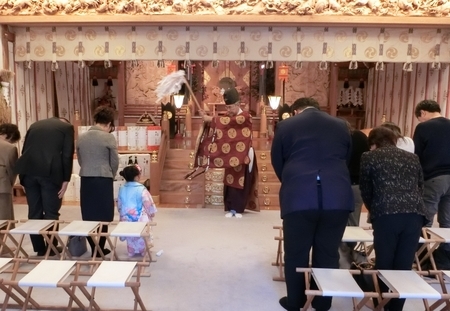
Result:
[
  {"x": 9, "y": 135},
  {"x": 44, "y": 169}
]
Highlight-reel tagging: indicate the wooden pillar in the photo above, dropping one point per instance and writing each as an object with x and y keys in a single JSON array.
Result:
[
  {"x": 121, "y": 92},
  {"x": 333, "y": 95}
]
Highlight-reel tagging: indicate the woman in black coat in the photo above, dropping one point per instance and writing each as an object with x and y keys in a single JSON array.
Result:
[{"x": 391, "y": 183}]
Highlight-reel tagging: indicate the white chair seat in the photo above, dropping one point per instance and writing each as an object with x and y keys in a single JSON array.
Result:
[
  {"x": 337, "y": 283},
  {"x": 79, "y": 228},
  {"x": 32, "y": 226},
  {"x": 444, "y": 233},
  {"x": 128, "y": 229},
  {"x": 4, "y": 263},
  {"x": 356, "y": 234},
  {"x": 48, "y": 273},
  {"x": 112, "y": 274},
  {"x": 408, "y": 284}
]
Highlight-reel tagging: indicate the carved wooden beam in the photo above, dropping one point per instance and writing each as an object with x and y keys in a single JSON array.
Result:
[{"x": 229, "y": 20}]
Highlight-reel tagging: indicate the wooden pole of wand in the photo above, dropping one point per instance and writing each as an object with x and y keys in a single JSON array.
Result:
[{"x": 193, "y": 95}]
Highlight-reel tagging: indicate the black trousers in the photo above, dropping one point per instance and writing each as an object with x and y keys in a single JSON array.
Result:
[
  {"x": 97, "y": 203},
  {"x": 395, "y": 240},
  {"x": 321, "y": 230},
  {"x": 43, "y": 203}
]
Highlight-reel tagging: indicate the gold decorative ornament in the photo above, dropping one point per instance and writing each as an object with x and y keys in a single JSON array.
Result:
[
  {"x": 154, "y": 157},
  {"x": 264, "y": 178},
  {"x": 266, "y": 201},
  {"x": 191, "y": 166},
  {"x": 169, "y": 115},
  {"x": 188, "y": 188},
  {"x": 263, "y": 156},
  {"x": 266, "y": 190},
  {"x": 191, "y": 154},
  {"x": 264, "y": 168}
]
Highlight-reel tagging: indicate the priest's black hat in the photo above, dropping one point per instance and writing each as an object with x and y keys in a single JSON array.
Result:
[{"x": 231, "y": 96}]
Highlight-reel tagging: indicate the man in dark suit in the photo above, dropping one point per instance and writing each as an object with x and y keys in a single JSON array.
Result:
[
  {"x": 44, "y": 169},
  {"x": 309, "y": 155}
]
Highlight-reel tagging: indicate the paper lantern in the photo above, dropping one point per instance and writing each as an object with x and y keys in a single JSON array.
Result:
[
  {"x": 171, "y": 68},
  {"x": 283, "y": 72}
]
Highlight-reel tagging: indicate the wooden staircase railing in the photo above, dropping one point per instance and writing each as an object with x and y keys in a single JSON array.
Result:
[{"x": 157, "y": 161}]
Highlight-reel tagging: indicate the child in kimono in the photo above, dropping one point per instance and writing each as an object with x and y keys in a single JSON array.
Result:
[{"x": 135, "y": 204}]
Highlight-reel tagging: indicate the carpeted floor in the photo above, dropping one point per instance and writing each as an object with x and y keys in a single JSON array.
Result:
[{"x": 208, "y": 262}]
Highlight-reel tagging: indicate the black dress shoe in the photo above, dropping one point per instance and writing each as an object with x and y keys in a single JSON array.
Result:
[
  {"x": 52, "y": 252},
  {"x": 284, "y": 303},
  {"x": 105, "y": 252}
]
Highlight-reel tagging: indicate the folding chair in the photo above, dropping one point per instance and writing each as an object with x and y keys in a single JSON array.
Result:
[
  {"x": 5, "y": 226},
  {"x": 279, "y": 258},
  {"x": 47, "y": 273},
  {"x": 335, "y": 283},
  {"x": 405, "y": 284},
  {"x": 31, "y": 226},
  {"x": 76, "y": 228},
  {"x": 132, "y": 230},
  {"x": 361, "y": 236},
  {"x": 112, "y": 274},
  {"x": 434, "y": 237},
  {"x": 442, "y": 276},
  {"x": 5, "y": 264},
  {"x": 351, "y": 234}
]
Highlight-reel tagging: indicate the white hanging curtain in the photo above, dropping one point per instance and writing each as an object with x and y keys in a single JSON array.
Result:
[
  {"x": 33, "y": 93},
  {"x": 394, "y": 93}
]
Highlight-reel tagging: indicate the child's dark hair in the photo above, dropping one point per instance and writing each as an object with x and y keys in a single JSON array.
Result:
[
  {"x": 11, "y": 132},
  {"x": 130, "y": 172}
]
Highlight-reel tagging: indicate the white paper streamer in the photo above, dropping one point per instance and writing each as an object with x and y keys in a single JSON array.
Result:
[
  {"x": 298, "y": 64},
  {"x": 133, "y": 47},
  {"x": 380, "y": 64},
  {"x": 242, "y": 56},
  {"x": 215, "y": 62},
  {"x": 269, "y": 62},
  {"x": 408, "y": 66},
  {"x": 160, "y": 61},
  {"x": 28, "y": 57},
  {"x": 437, "y": 51},
  {"x": 353, "y": 63},
  {"x": 170, "y": 84},
  {"x": 187, "y": 60},
  {"x": 81, "y": 63},
  {"x": 54, "y": 63},
  {"x": 323, "y": 65},
  {"x": 107, "y": 61}
]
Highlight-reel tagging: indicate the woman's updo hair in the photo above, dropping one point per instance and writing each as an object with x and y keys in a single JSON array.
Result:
[
  {"x": 381, "y": 136},
  {"x": 104, "y": 115},
  {"x": 130, "y": 172}
]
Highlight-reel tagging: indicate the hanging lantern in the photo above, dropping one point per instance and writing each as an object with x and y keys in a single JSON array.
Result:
[
  {"x": 283, "y": 72},
  {"x": 171, "y": 68}
]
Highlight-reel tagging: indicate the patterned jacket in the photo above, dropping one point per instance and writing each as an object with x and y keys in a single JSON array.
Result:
[{"x": 391, "y": 182}]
